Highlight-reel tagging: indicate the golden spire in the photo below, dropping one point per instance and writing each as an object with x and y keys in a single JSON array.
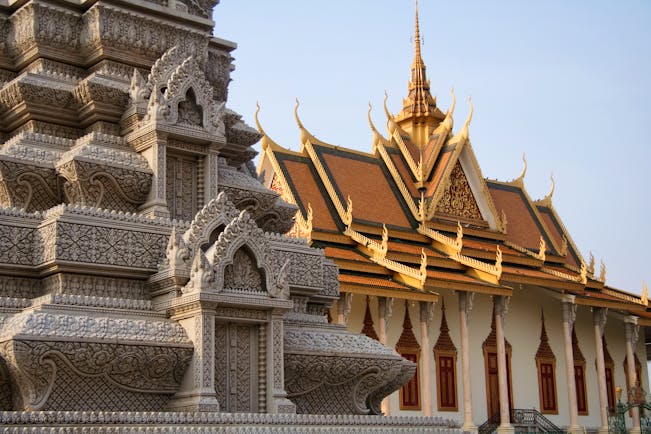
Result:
[
  {"x": 418, "y": 60},
  {"x": 419, "y": 111}
]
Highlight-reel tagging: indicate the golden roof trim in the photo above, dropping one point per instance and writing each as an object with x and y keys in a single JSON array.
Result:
[
  {"x": 628, "y": 297},
  {"x": 581, "y": 278},
  {"x": 398, "y": 180},
  {"x": 375, "y": 249},
  {"x": 487, "y": 272},
  {"x": 449, "y": 245},
  {"x": 410, "y": 276},
  {"x": 344, "y": 214},
  {"x": 378, "y": 291},
  {"x": 540, "y": 255}
]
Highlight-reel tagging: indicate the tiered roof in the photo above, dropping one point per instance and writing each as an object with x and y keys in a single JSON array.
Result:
[{"x": 415, "y": 214}]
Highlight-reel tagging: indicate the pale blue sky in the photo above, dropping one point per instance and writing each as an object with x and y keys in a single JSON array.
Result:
[{"x": 568, "y": 83}]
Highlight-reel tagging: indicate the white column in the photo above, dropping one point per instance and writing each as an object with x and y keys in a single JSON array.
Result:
[
  {"x": 569, "y": 315},
  {"x": 385, "y": 309},
  {"x": 344, "y": 305},
  {"x": 599, "y": 316},
  {"x": 501, "y": 308},
  {"x": 156, "y": 204},
  {"x": 426, "y": 314},
  {"x": 632, "y": 330},
  {"x": 465, "y": 306},
  {"x": 197, "y": 391}
]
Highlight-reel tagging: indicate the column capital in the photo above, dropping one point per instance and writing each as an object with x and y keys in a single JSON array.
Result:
[
  {"x": 632, "y": 329},
  {"x": 344, "y": 306},
  {"x": 427, "y": 312},
  {"x": 600, "y": 317},
  {"x": 568, "y": 298},
  {"x": 569, "y": 311},
  {"x": 501, "y": 305},
  {"x": 385, "y": 307},
  {"x": 466, "y": 300}
]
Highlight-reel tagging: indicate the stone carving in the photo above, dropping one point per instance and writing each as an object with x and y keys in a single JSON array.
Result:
[
  {"x": 77, "y": 242},
  {"x": 39, "y": 365},
  {"x": 242, "y": 275},
  {"x": 177, "y": 86},
  {"x": 202, "y": 276},
  {"x": 84, "y": 422},
  {"x": 350, "y": 383},
  {"x": 102, "y": 183},
  {"x": 27, "y": 186},
  {"x": 88, "y": 180}
]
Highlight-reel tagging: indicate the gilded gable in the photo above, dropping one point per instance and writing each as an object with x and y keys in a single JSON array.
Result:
[{"x": 457, "y": 199}]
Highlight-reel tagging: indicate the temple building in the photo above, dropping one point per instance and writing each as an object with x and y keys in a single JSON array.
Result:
[
  {"x": 147, "y": 281},
  {"x": 470, "y": 278}
]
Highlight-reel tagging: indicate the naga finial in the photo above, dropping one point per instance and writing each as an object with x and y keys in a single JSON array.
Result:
[
  {"x": 520, "y": 177},
  {"x": 377, "y": 137},
  {"x": 464, "y": 133},
  {"x": 553, "y": 186},
  {"x": 602, "y": 273},
  {"x": 305, "y": 134},
  {"x": 645, "y": 294}
]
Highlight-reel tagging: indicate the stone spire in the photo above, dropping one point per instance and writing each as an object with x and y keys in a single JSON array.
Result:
[{"x": 419, "y": 114}]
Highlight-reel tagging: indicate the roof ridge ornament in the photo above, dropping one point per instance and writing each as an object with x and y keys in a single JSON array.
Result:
[
  {"x": 464, "y": 134},
  {"x": 645, "y": 294},
  {"x": 542, "y": 248},
  {"x": 377, "y": 137},
  {"x": 448, "y": 121},
  {"x": 306, "y": 136},
  {"x": 591, "y": 264},
  {"x": 547, "y": 200},
  {"x": 348, "y": 217},
  {"x": 602, "y": 273},
  {"x": 265, "y": 141}
]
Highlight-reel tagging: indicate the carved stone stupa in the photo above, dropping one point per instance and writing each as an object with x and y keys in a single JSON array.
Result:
[{"x": 143, "y": 266}]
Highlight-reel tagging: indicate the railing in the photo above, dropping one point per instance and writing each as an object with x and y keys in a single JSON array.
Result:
[
  {"x": 530, "y": 419},
  {"x": 535, "y": 419},
  {"x": 617, "y": 417},
  {"x": 490, "y": 425}
]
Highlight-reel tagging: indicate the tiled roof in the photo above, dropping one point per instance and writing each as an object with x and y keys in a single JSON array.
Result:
[
  {"x": 374, "y": 195},
  {"x": 524, "y": 228},
  {"x": 306, "y": 188}
]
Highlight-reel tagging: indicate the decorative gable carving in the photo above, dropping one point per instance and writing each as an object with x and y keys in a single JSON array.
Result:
[
  {"x": 178, "y": 93},
  {"x": 457, "y": 199}
]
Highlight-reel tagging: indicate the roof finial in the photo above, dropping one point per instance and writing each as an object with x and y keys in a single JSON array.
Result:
[{"x": 418, "y": 60}]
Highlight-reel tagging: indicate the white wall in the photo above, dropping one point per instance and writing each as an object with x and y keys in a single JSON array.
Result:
[{"x": 522, "y": 330}]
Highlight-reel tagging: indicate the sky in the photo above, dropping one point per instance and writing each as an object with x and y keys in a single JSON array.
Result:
[{"x": 566, "y": 83}]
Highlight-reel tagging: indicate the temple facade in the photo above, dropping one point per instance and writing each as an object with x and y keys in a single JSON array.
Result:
[{"x": 478, "y": 284}]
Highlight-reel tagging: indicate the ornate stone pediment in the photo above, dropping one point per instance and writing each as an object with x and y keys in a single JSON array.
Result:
[{"x": 177, "y": 93}]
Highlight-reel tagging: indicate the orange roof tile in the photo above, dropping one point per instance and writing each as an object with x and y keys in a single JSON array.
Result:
[
  {"x": 413, "y": 249},
  {"x": 374, "y": 195},
  {"x": 454, "y": 277},
  {"x": 299, "y": 173},
  {"x": 523, "y": 227},
  {"x": 405, "y": 172},
  {"x": 439, "y": 168},
  {"x": 530, "y": 273},
  {"x": 340, "y": 253},
  {"x": 428, "y": 149},
  {"x": 411, "y": 146},
  {"x": 556, "y": 231},
  {"x": 371, "y": 281},
  {"x": 489, "y": 246}
]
